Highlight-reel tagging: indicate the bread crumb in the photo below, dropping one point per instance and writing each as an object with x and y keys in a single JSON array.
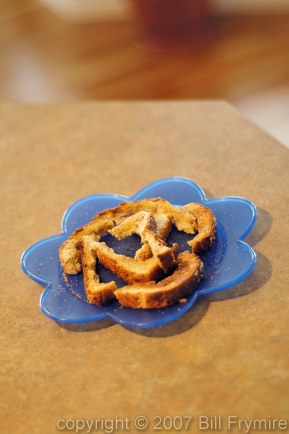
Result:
[{"x": 183, "y": 300}]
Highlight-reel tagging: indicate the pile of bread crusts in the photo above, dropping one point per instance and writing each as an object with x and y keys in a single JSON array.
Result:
[{"x": 157, "y": 276}]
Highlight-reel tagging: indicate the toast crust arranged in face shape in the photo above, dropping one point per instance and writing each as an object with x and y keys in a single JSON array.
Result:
[{"x": 157, "y": 276}]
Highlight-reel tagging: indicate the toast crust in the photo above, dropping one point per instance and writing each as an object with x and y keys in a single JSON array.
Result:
[
  {"x": 144, "y": 224},
  {"x": 69, "y": 251},
  {"x": 162, "y": 229},
  {"x": 151, "y": 219},
  {"x": 97, "y": 293},
  {"x": 168, "y": 291},
  {"x": 206, "y": 227},
  {"x": 129, "y": 269}
]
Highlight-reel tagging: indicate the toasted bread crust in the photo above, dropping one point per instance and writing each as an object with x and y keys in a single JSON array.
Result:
[
  {"x": 206, "y": 227},
  {"x": 151, "y": 219},
  {"x": 96, "y": 292},
  {"x": 162, "y": 229},
  {"x": 129, "y": 269},
  {"x": 144, "y": 224},
  {"x": 168, "y": 291},
  {"x": 69, "y": 251}
]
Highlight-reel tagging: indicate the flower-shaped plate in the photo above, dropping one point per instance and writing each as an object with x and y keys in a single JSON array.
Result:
[{"x": 228, "y": 262}]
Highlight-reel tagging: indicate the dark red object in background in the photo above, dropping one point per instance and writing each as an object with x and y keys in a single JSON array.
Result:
[{"x": 171, "y": 22}]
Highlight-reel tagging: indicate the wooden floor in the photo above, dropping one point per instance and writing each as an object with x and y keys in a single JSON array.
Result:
[{"x": 45, "y": 59}]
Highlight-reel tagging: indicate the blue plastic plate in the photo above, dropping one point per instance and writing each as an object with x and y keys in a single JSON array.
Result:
[{"x": 227, "y": 263}]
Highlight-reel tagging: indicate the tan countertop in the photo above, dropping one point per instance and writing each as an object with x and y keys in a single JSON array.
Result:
[{"x": 228, "y": 356}]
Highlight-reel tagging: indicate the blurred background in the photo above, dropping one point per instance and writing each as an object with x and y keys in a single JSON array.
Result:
[{"x": 75, "y": 50}]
